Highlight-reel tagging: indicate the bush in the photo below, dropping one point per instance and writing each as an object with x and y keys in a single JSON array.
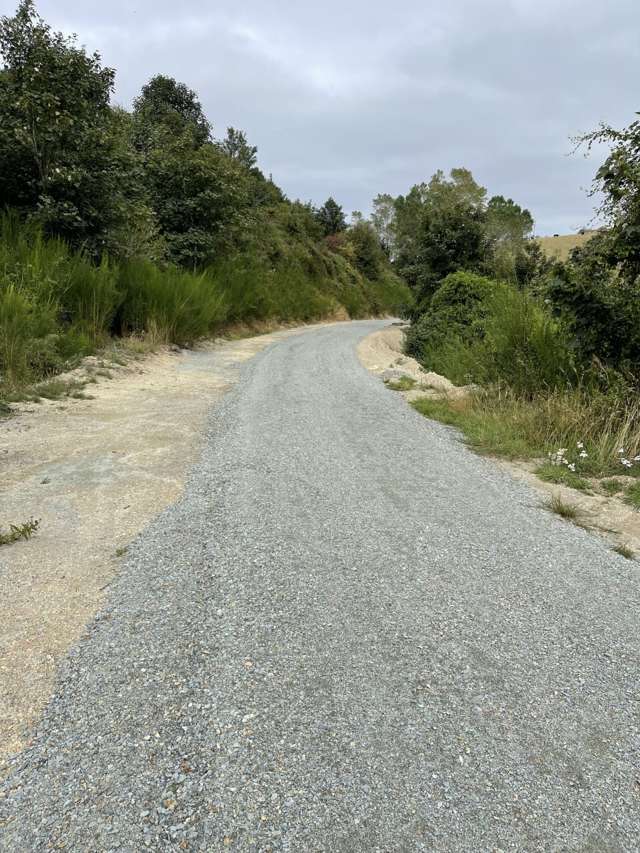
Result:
[
  {"x": 169, "y": 304},
  {"x": 478, "y": 330},
  {"x": 454, "y": 312}
]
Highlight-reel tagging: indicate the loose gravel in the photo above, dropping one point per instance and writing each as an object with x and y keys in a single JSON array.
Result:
[{"x": 351, "y": 634}]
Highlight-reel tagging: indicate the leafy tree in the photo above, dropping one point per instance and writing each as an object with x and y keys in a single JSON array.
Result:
[
  {"x": 167, "y": 108},
  {"x": 600, "y": 307},
  {"x": 331, "y": 217},
  {"x": 59, "y": 156},
  {"x": 508, "y": 230},
  {"x": 618, "y": 180},
  {"x": 368, "y": 255},
  {"x": 383, "y": 219},
  {"x": 199, "y": 197},
  {"x": 440, "y": 228},
  {"x": 235, "y": 145}
]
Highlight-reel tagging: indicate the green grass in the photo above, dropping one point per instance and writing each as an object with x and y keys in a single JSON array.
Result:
[
  {"x": 484, "y": 429},
  {"x": 502, "y": 423},
  {"x": 405, "y": 383},
  {"x": 563, "y": 509},
  {"x": 625, "y": 551},
  {"x": 632, "y": 495},
  {"x": 57, "y": 306},
  {"x": 611, "y": 487},
  {"x": 19, "y": 531},
  {"x": 562, "y": 476},
  {"x": 52, "y": 389}
]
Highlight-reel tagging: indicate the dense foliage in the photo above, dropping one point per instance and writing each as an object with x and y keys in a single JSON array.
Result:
[{"x": 122, "y": 222}]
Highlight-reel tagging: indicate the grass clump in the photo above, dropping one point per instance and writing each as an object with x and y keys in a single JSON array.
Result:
[
  {"x": 632, "y": 495},
  {"x": 611, "y": 487},
  {"x": 625, "y": 551},
  {"x": 484, "y": 426},
  {"x": 562, "y": 476},
  {"x": 17, "y": 532},
  {"x": 563, "y": 509},
  {"x": 405, "y": 383}
]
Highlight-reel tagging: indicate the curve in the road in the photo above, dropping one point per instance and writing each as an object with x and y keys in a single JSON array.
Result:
[{"x": 350, "y": 635}]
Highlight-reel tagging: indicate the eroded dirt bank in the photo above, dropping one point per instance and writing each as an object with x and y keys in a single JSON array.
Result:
[{"x": 94, "y": 472}]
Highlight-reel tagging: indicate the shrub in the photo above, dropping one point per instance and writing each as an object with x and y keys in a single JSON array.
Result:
[
  {"x": 454, "y": 312},
  {"x": 484, "y": 331}
]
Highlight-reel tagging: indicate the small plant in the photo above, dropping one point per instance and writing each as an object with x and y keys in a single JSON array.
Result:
[
  {"x": 120, "y": 552},
  {"x": 611, "y": 487},
  {"x": 563, "y": 509},
  {"x": 560, "y": 458},
  {"x": 562, "y": 476},
  {"x": 405, "y": 383},
  {"x": 625, "y": 551},
  {"x": 632, "y": 496},
  {"x": 627, "y": 463},
  {"x": 19, "y": 531}
]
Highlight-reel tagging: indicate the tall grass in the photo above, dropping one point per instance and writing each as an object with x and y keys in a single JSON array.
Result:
[
  {"x": 515, "y": 340},
  {"x": 56, "y": 305},
  {"x": 169, "y": 304},
  {"x": 504, "y": 423}
]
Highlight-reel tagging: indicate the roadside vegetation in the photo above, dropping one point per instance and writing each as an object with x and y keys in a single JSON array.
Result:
[
  {"x": 552, "y": 347},
  {"x": 143, "y": 223},
  {"x": 16, "y": 532}
]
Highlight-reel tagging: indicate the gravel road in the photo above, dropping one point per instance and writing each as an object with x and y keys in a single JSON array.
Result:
[{"x": 351, "y": 634}]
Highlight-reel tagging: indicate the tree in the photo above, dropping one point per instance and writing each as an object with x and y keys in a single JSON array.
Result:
[
  {"x": 331, "y": 217},
  {"x": 59, "y": 156},
  {"x": 618, "y": 180},
  {"x": 509, "y": 228},
  {"x": 383, "y": 220},
  {"x": 169, "y": 108},
  {"x": 235, "y": 145},
  {"x": 368, "y": 255},
  {"x": 440, "y": 228}
]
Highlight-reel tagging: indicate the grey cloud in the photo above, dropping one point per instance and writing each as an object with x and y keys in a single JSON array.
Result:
[{"x": 352, "y": 99}]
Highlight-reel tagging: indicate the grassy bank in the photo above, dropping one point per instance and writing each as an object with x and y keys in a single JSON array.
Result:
[
  {"x": 57, "y": 305},
  {"x": 576, "y": 434}
]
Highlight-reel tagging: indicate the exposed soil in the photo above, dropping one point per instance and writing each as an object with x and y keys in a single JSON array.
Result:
[{"x": 93, "y": 472}]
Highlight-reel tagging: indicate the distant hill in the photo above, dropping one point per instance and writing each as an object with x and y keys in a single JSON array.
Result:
[{"x": 560, "y": 246}]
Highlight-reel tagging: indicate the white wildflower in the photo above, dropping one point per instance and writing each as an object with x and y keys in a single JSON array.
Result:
[
  {"x": 583, "y": 454},
  {"x": 580, "y": 445}
]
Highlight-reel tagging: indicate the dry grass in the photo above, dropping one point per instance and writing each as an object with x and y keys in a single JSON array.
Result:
[
  {"x": 502, "y": 423},
  {"x": 563, "y": 509},
  {"x": 625, "y": 551},
  {"x": 560, "y": 247}
]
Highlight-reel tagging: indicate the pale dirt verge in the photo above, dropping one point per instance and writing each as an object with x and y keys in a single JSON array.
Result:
[
  {"x": 94, "y": 472},
  {"x": 382, "y": 354}
]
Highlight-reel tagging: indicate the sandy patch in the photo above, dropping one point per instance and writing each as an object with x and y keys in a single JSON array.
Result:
[
  {"x": 94, "y": 472},
  {"x": 608, "y": 516},
  {"x": 382, "y": 354}
]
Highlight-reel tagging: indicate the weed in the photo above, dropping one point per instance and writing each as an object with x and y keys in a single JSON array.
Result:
[
  {"x": 632, "y": 496},
  {"x": 405, "y": 383},
  {"x": 625, "y": 551},
  {"x": 563, "y": 509},
  {"x": 611, "y": 487},
  {"x": 562, "y": 476},
  {"x": 120, "y": 552},
  {"x": 19, "y": 531}
]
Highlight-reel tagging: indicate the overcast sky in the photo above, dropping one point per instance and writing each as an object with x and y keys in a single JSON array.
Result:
[{"x": 358, "y": 97}]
